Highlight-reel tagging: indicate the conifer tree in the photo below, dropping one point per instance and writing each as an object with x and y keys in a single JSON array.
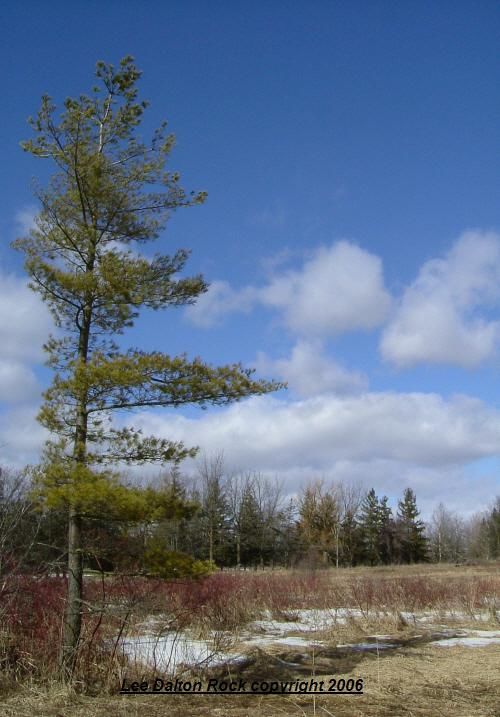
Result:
[
  {"x": 250, "y": 526},
  {"x": 413, "y": 543},
  {"x": 370, "y": 527},
  {"x": 491, "y": 530},
  {"x": 386, "y": 531},
  {"x": 111, "y": 194}
]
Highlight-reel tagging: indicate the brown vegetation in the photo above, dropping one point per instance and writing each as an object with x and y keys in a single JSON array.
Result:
[{"x": 418, "y": 679}]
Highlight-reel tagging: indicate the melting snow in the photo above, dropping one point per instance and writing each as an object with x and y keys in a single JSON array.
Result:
[
  {"x": 166, "y": 652},
  {"x": 473, "y": 638}
]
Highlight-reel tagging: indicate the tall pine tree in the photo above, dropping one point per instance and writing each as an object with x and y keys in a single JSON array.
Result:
[{"x": 111, "y": 194}]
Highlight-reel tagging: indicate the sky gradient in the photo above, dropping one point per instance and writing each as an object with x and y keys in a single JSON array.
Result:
[{"x": 351, "y": 234}]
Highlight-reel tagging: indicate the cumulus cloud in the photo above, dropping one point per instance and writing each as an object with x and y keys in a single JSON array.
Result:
[
  {"x": 24, "y": 325},
  {"x": 21, "y": 436},
  {"x": 219, "y": 301},
  {"x": 266, "y": 433},
  {"x": 340, "y": 288},
  {"x": 24, "y": 320},
  {"x": 17, "y": 382},
  {"x": 388, "y": 441},
  {"x": 309, "y": 372},
  {"x": 442, "y": 317}
]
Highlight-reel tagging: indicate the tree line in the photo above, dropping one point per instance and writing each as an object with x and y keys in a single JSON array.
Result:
[{"x": 217, "y": 519}]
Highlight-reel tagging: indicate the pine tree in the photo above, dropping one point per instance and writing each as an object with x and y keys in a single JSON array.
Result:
[
  {"x": 369, "y": 525},
  {"x": 413, "y": 543},
  {"x": 110, "y": 195},
  {"x": 249, "y": 526},
  {"x": 493, "y": 530},
  {"x": 386, "y": 531}
]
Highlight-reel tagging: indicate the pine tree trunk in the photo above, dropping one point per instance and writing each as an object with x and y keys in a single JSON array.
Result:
[{"x": 73, "y": 612}]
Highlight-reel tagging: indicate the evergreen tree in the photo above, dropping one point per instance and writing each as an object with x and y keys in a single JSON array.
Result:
[
  {"x": 411, "y": 530},
  {"x": 386, "y": 532},
  {"x": 249, "y": 527},
  {"x": 495, "y": 530},
  {"x": 351, "y": 540},
  {"x": 376, "y": 527},
  {"x": 369, "y": 525},
  {"x": 110, "y": 195}
]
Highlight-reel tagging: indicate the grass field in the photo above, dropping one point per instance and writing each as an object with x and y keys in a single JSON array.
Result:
[{"x": 411, "y": 606}]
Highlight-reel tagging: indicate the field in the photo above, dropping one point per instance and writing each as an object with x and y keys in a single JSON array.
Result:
[{"x": 425, "y": 640}]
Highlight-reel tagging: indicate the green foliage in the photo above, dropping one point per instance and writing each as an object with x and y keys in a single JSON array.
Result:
[
  {"x": 370, "y": 527},
  {"x": 104, "y": 493},
  {"x": 377, "y": 529},
  {"x": 110, "y": 195},
  {"x": 162, "y": 563},
  {"x": 411, "y": 530},
  {"x": 488, "y": 538},
  {"x": 250, "y": 526}
]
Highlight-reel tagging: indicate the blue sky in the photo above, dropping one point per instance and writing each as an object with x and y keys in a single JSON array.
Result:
[{"x": 351, "y": 234}]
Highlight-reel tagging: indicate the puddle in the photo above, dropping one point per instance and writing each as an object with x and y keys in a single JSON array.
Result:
[{"x": 369, "y": 646}]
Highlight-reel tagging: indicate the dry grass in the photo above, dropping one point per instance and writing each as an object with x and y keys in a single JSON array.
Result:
[
  {"x": 423, "y": 682},
  {"x": 417, "y": 680}
]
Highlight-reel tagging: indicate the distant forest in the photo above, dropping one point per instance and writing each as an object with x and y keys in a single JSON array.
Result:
[{"x": 219, "y": 520}]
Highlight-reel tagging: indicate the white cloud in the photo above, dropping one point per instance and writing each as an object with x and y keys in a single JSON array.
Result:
[
  {"x": 219, "y": 301},
  {"x": 381, "y": 440},
  {"x": 25, "y": 219},
  {"x": 460, "y": 488},
  {"x": 24, "y": 325},
  {"x": 21, "y": 437},
  {"x": 309, "y": 372},
  {"x": 24, "y": 320},
  {"x": 418, "y": 430},
  {"x": 340, "y": 288},
  {"x": 438, "y": 319},
  {"x": 17, "y": 382}
]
